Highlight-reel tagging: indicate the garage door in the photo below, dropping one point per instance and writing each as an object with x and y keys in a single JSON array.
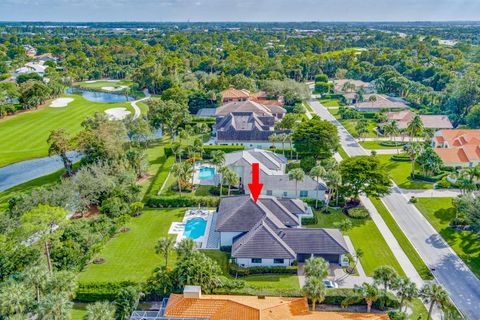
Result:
[{"x": 332, "y": 258}]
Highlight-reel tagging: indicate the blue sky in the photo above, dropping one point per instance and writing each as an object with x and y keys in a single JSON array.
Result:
[{"x": 240, "y": 10}]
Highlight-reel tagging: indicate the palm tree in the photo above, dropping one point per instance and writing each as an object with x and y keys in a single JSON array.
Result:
[
  {"x": 101, "y": 311},
  {"x": 177, "y": 149},
  {"x": 54, "y": 307},
  {"x": 36, "y": 277},
  {"x": 231, "y": 178},
  {"x": 273, "y": 138},
  {"x": 296, "y": 174},
  {"x": 222, "y": 171},
  {"x": 406, "y": 290},
  {"x": 185, "y": 248},
  {"x": 282, "y": 138},
  {"x": 385, "y": 275},
  {"x": 334, "y": 181},
  {"x": 315, "y": 290},
  {"x": 372, "y": 99},
  {"x": 317, "y": 172},
  {"x": 289, "y": 138},
  {"x": 317, "y": 267},
  {"x": 164, "y": 246},
  {"x": 434, "y": 294},
  {"x": 471, "y": 173},
  {"x": 192, "y": 151},
  {"x": 415, "y": 127},
  {"x": 178, "y": 169},
  {"x": 413, "y": 151},
  {"x": 14, "y": 299},
  {"x": 367, "y": 292},
  {"x": 391, "y": 129},
  {"x": 218, "y": 158}
]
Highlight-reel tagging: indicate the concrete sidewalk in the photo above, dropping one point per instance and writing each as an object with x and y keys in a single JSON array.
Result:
[{"x": 431, "y": 193}]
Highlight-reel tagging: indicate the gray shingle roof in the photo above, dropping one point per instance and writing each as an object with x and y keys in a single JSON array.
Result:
[
  {"x": 262, "y": 242},
  {"x": 314, "y": 241}
]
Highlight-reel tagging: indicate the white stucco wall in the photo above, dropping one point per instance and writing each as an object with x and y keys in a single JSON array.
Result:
[
  {"x": 226, "y": 238},
  {"x": 247, "y": 262}
]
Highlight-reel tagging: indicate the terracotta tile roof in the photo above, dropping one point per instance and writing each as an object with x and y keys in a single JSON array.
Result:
[
  {"x": 451, "y": 154},
  {"x": 460, "y": 137},
  {"x": 404, "y": 117},
  {"x": 221, "y": 307},
  {"x": 232, "y": 93},
  {"x": 359, "y": 84},
  {"x": 381, "y": 102}
]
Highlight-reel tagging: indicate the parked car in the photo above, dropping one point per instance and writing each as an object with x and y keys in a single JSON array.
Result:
[{"x": 330, "y": 284}]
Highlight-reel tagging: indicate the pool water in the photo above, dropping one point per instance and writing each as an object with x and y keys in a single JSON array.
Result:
[
  {"x": 195, "y": 228},
  {"x": 206, "y": 173}
]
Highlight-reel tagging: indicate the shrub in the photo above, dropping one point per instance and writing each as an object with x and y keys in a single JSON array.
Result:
[
  {"x": 436, "y": 178},
  {"x": 307, "y": 163},
  {"x": 400, "y": 157},
  {"x": 443, "y": 184},
  {"x": 358, "y": 213},
  {"x": 235, "y": 270},
  {"x": 309, "y": 221},
  {"x": 389, "y": 143},
  {"x": 180, "y": 201},
  {"x": 100, "y": 291}
]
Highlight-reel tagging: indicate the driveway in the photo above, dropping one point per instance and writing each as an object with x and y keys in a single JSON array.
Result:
[{"x": 449, "y": 270}]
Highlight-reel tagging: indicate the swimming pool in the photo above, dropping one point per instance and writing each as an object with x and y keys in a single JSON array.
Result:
[
  {"x": 206, "y": 173},
  {"x": 195, "y": 228}
]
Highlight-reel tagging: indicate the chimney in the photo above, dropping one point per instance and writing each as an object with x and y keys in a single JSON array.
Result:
[{"x": 192, "y": 292}]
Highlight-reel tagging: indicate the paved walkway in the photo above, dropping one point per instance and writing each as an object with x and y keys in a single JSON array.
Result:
[
  {"x": 431, "y": 193},
  {"x": 135, "y": 107},
  {"x": 399, "y": 139},
  {"x": 384, "y": 151},
  {"x": 449, "y": 270}
]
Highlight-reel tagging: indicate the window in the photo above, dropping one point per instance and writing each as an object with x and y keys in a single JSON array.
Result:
[
  {"x": 256, "y": 260},
  {"x": 285, "y": 194},
  {"x": 269, "y": 192},
  {"x": 303, "y": 193},
  {"x": 279, "y": 261}
]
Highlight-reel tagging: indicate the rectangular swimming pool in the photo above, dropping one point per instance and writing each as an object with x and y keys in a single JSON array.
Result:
[{"x": 206, "y": 173}]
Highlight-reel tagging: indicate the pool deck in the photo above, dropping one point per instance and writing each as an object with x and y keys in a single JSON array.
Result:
[{"x": 178, "y": 228}]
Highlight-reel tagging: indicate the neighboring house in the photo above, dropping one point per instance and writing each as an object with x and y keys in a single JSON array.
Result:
[
  {"x": 268, "y": 233},
  {"x": 272, "y": 175},
  {"x": 45, "y": 57},
  {"x": 234, "y": 95},
  {"x": 31, "y": 67},
  {"x": 404, "y": 117},
  {"x": 340, "y": 86},
  {"x": 458, "y": 148},
  {"x": 192, "y": 304},
  {"x": 251, "y": 106},
  {"x": 29, "y": 50},
  {"x": 245, "y": 128},
  {"x": 380, "y": 103}
]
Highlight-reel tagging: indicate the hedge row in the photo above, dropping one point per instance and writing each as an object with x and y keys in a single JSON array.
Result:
[
  {"x": 336, "y": 296},
  {"x": 237, "y": 271},
  {"x": 401, "y": 158},
  {"x": 161, "y": 175},
  {"x": 438, "y": 177},
  {"x": 100, "y": 291},
  {"x": 207, "y": 149},
  {"x": 309, "y": 221},
  {"x": 180, "y": 201}
]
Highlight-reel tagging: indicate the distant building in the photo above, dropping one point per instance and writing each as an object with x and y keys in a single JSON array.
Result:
[
  {"x": 273, "y": 175},
  {"x": 380, "y": 102},
  {"x": 251, "y": 106},
  {"x": 246, "y": 128},
  {"x": 269, "y": 233},
  {"x": 341, "y": 86},
  {"x": 31, "y": 67},
  {"x": 458, "y": 148},
  {"x": 235, "y": 95},
  {"x": 403, "y": 118}
]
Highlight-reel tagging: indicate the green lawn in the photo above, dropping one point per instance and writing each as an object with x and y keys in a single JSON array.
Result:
[
  {"x": 373, "y": 145},
  {"x": 350, "y": 125},
  {"x": 78, "y": 312},
  {"x": 343, "y": 153},
  {"x": 24, "y": 136},
  {"x": 330, "y": 102},
  {"x": 439, "y": 212},
  {"x": 400, "y": 173},
  {"x": 131, "y": 255},
  {"x": 364, "y": 235},
  {"x": 402, "y": 239}
]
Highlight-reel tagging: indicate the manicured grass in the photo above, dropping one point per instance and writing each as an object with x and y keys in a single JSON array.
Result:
[
  {"x": 373, "y": 145},
  {"x": 364, "y": 235},
  {"x": 330, "y": 102},
  {"x": 343, "y": 153},
  {"x": 79, "y": 311},
  {"x": 402, "y": 239},
  {"x": 350, "y": 126},
  {"x": 439, "y": 212},
  {"x": 24, "y": 136},
  {"x": 307, "y": 106},
  {"x": 156, "y": 159},
  {"x": 131, "y": 255},
  {"x": 418, "y": 309},
  {"x": 400, "y": 173}
]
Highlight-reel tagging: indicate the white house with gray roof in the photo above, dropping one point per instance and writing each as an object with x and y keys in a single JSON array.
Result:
[
  {"x": 269, "y": 233},
  {"x": 272, "y": 175}
]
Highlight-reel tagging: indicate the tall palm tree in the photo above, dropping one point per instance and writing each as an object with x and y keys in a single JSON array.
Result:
[
  {"x": 36, "y": 277},
  {"x": 289, "y": 137},
  {"x": 314, "y": 290},
  {"x": 185, "y": 248},
  {"x": 222, "y": 171},
  {"x": 367, "y": 292},
  {"x": 181, "y": 170},
  {"x": 434, "y": 294},
  {"x": 231, "y": 178},
  {"x": 273, "y": 138},
  {"x": 413, "y": 151},
  {"x": 14, "y": 299},
  {"x": 406, "y": 290},
  {"x": 391, "y": 129},
  {"x": 192, "y": 151},
  {"x": 282, "y": 138},
  {"x": 218, "y": 158},
  {"x": 101, "y": 311},
  {"x": 415, "y": 127},
  {"x": 317, "y": 267},
  {"x": 164, "y": 246},
  {"x": 296, "y": 174},
  {"x": 317, "y": 172},
  {"x": 471, "y": 172},
  {"x": 385, "y": 275},
  {"x": 334, "y": 181},
  {"x": 54, "y": 307},
  {"x": 177, "y": 150}
]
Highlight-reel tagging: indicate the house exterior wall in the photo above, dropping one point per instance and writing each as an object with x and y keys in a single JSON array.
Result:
[
  {"x": 247, "y": 144},
  {"x": 279, "y": 192},
  {"x": 247, "y": 262},
  {"x": 461, "y": 164},
  {"x": 226, "y": 238}
]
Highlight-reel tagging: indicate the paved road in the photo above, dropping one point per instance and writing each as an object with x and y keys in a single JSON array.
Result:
[
  {"x": 449, "y": 270},
  {"x": 135, "y": 107}
]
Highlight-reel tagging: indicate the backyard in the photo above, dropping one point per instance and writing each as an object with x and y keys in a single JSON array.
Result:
[
  {"x": 24, "y": 136},
  {"x": 365, "y": 236},
  {"x": 439, "y": 212}
]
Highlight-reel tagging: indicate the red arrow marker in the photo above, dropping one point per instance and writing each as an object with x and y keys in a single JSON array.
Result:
[{"x": 255, "y": 187}]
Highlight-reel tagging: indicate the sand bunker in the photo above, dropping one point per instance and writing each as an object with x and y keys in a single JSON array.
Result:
[
  {"x": 113, "y": 89},
  {"x": 117, "y": 113},
  {"x": 61, "y": 102}
]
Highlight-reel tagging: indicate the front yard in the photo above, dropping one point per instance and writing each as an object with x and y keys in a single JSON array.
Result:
[
  {"x": 365, "y": 236},
  {"x": 439, "y": 212},
  {"x": 400, "y": 173}
]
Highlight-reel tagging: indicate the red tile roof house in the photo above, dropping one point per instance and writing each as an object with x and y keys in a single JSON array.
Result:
[
  {"x": 339, "y": 86},
  {"x": 234, "y": 95},
  {"x": 403, "y": 118},
  {"x": 458, "y": 148},
  {"x": 192, "y": 304}
]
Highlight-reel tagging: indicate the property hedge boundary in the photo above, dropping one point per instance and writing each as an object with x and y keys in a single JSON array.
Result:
[
  {"x": 178, "y": 201},
  {"x": 238, "y": 271},
  {"x": 100, "y": 291}
]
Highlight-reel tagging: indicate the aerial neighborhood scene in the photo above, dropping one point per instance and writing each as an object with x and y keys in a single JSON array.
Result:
[{"x": 241, "y": 160}]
